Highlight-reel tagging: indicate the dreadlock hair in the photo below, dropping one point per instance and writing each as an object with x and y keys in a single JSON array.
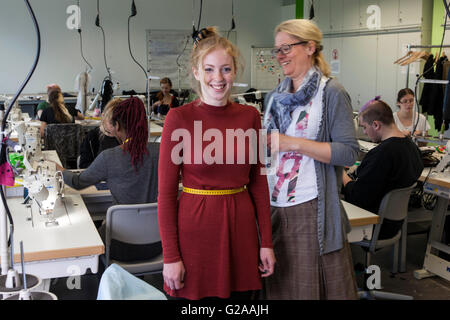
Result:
[{"x": 130, "y": 114}]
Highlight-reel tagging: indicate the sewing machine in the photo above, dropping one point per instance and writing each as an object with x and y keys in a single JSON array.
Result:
[{"x": 40, "y": 177}]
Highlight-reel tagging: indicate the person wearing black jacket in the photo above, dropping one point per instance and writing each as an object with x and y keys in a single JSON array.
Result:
[{"x": 394, "y": 163}]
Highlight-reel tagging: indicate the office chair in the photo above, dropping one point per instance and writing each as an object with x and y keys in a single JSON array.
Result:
[
  {"x": 133, "y": 224},
  {"x": 394, "y": 206},
  {"x": 65, "y": 139}
]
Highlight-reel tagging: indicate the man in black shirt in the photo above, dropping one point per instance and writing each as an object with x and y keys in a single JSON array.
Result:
[{"x": 394, "y": 163}]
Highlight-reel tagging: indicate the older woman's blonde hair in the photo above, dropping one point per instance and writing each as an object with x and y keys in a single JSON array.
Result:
[
  {"x": 303, "y": 29},
  {"x": 212, "y": 40},
  {"x": 108, "y": 113}
]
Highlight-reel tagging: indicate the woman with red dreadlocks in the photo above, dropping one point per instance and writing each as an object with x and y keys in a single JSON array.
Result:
[{"x": 130, "y": 169}]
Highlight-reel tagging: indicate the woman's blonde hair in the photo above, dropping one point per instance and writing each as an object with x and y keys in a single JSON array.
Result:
[
  {"x": 108, "y": 113},
  {"x": 209, "y": 39},
  {"x": 303, "y": 29},
  {"x": 56, "y": 101}
]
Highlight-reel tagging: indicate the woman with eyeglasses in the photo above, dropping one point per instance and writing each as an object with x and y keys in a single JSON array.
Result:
[
  {"x": 311, "y": 135},
  {"x": 404, "y": 117}
]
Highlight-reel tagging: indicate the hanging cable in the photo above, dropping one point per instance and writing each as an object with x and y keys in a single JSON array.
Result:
[
  {"x": 30, "y": 73},
  {"x": 97, "y": 23},
  {"x": 133, "y": 13},
  {"x": 195, "y": 31},
  {"x": 81, "y": 40},
  {"x": 233, "y": 24}
]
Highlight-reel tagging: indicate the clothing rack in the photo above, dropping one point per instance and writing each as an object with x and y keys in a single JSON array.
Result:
[
  {"x": 414, "y": 46},
  {"x": 417, "y": 46}
]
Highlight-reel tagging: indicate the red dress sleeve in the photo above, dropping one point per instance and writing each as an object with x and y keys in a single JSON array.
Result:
[
  {"x": 168, "y": 179},
  {"x": 259, "y": 191}
]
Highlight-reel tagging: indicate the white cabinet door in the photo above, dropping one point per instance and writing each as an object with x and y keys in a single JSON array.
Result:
[
  {"x": 388, "y": 12},
  {"x": 387, "y": 75},
  {"x": 358, "y": 68},
  {"x": 350, "y": 15},
  {"x": 321, "y": 15},
  {"x": 336, "y": 12},
  {"x": 410, "y": 12}
]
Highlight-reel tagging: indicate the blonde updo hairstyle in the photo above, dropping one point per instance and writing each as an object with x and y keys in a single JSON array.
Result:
[
  {"x": 209, "y": 41},
  {"x": 108, "y": 113},
  {"x": 303, "y": 29}
]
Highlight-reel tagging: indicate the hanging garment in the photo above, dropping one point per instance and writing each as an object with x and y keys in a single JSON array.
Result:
[
  {"x": 81, "y": 85},
  {"x": 426, "y": 92}
]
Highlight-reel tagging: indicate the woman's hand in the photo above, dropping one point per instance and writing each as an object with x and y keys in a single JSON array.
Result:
[
  {"x": 173, "y": 274},
  {"x": 157, "y": 103},
  {"x": 267, "y": 264},
  {"x": 280, "y": 142}
]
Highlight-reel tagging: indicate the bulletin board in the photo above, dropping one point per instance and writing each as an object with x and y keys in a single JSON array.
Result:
[
  {"x": 164, "y": 47},
  {"x": 266, "y": 73}
]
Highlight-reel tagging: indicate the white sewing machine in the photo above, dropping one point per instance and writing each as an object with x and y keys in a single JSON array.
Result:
[{"x": 43, "y": 181}]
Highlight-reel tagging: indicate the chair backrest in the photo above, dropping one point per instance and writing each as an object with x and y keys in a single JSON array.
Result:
[
  {"x": 132, "y": 223},
  {"x": 65, "y": 139},
  {"x": 393, "y": 206}
]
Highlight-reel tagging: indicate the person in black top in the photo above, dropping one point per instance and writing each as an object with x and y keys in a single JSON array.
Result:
[
  {"x": 394, "y": 163},
  {"x": 98, "y": 139},
  {"x": 57, "y": 112},
  {"x": 165, "y": 100}
]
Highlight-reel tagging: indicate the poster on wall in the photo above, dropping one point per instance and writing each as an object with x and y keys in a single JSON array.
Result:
[
  {"x": 266, "y": 73},
  {"x": 168, "y": 56}
]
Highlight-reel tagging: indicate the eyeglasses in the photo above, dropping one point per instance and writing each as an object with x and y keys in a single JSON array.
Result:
[
  {"x": 286, "y": 48},
  {"x": 407, "y": 101}
]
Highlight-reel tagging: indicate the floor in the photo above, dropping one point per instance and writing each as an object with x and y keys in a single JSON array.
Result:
[{"x": 433, "y": 288}]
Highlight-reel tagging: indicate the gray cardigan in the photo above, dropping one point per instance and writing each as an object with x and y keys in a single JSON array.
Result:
[{"x": 336, "y": 128}]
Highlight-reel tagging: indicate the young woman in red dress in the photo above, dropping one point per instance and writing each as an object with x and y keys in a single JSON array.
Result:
[{"x": 216, "y": 235}]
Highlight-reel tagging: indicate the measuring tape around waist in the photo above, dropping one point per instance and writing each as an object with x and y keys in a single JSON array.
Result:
[{"x": 213, "y": 192}]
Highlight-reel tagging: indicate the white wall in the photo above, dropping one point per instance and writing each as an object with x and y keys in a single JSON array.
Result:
[
  {"x": 366, "y": 58},
  {"x": 60, "y": 59}
]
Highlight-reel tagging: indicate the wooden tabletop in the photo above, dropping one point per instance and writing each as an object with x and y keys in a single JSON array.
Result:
[
  {"x": 75, "y": 236},
  {"x": 358, "y": 216}
]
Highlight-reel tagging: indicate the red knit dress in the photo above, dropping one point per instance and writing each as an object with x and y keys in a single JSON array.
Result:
[{"x": 215, "y": 236}]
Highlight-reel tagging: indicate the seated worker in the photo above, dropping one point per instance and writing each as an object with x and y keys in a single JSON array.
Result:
[
  {"x": 165, "y": 100},
  {"x": 404, "y": 117},
  {"x": 130, "y": 170},
  {"x": 57, "y": 113},
  {"x": 45, "y": 104},
  {"x": 97, "y": 139},
  {"x": 394, "y": 163}
]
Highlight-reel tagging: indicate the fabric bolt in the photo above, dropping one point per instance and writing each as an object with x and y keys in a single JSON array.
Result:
[
  {"x": 215, "y": 236},
  {"x": 301, "y": 273}
]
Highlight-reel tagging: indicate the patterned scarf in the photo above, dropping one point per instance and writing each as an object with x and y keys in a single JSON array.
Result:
[{"x": 283, "y": 102}]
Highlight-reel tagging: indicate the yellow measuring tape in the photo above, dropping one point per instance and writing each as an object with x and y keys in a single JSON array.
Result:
[{"x": 213, "y": 192}]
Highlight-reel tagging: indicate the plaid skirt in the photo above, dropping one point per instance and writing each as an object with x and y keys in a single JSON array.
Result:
[{"x": 300, "y": 272}]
